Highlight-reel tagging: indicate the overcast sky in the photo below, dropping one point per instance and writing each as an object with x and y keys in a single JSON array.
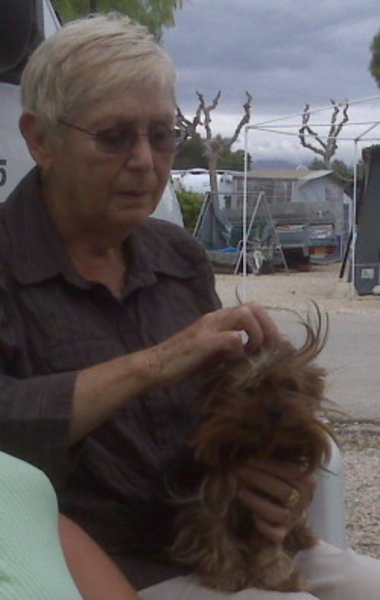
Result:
[{"x": 284, "y": 52}]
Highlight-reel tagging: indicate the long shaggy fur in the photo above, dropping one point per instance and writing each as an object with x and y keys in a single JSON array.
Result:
[{"x": 267, "y": 405}]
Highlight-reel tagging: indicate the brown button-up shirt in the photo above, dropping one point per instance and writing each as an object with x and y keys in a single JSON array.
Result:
[{"x": 53, "y": 323}]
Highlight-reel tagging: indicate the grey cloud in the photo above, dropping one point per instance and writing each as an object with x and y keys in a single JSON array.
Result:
[{"x": 284, "y": 53}]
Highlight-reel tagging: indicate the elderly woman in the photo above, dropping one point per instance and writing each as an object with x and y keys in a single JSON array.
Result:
[{"x": 109, "y": 318}]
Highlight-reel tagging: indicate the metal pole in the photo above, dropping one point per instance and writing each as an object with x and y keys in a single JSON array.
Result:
[
  {"x": 249, "y": 228},
  {"x": 353, "y": 227},
  {"x": 245, "y": 190}
]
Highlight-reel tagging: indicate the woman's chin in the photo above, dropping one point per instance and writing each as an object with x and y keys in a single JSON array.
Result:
[{"x": 132, "y": 217}]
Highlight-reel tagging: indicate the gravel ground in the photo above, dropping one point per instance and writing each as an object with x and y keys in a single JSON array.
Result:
[
  {"x": 294, "y": 291},
  {"x": 360, "y": 441}
]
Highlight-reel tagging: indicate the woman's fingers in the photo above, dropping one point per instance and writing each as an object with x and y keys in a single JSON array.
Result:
[
  {"x": 272, "y": 520},
  {"x": 274, "y": 533},
  {"x": 254, "y": 320},
  {"x": 266, "y": 483},
  {"x": 250, "y": 319},
  {"x": 279, "y": 479},
  {"x": 265, "y": 508},
  {"x": 265, "y": 331},
  {"x": 277, "y": 494},
  {"x": 216, "y": 335}
]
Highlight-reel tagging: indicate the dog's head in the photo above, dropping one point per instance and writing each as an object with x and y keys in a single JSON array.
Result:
[{"x": 266, "y": 404}]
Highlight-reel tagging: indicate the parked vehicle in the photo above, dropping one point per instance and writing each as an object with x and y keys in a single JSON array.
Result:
[
  {"x": 305, "y": 241},
  {"x": 293, "y": 237},
  {"x": 323, "y": 241}
]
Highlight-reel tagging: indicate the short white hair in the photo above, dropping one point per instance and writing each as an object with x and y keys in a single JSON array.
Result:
[{"x": 89, "y": 60}]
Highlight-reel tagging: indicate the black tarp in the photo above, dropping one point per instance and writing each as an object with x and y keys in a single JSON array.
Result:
[
  {"x": 367, "y": 247},
  {"x": 21, "y": 31}
]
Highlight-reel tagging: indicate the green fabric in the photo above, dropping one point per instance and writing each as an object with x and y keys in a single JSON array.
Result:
[{"x": 32, "y": 565}]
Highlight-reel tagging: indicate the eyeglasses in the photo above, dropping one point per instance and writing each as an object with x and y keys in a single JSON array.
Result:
[{"x": 122, "y": 140}]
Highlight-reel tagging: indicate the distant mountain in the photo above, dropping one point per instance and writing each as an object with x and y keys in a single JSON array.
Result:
[{"x": 275, "y": 163}]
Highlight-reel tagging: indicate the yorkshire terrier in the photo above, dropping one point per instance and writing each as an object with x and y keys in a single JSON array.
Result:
[{"x": 267, "y": 405}]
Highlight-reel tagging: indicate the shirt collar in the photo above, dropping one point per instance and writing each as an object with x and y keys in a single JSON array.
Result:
[{"x": 37, "y": 251}]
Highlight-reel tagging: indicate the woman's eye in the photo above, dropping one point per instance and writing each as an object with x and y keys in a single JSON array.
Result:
[
  {"x": 159, "y": 135},
  {"x": 112, "y": 137}
]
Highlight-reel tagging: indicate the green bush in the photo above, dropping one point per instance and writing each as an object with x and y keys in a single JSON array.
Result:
[{"x": 191, "y": 205}]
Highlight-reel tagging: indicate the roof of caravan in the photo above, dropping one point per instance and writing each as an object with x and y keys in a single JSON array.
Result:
[{"x": 298, "y": 174}]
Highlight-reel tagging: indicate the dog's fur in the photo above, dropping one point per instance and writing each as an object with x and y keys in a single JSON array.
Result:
[{"x": 266, "y": 405}]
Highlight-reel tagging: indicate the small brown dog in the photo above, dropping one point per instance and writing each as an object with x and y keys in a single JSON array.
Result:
[{"x": 266, "y": 405}]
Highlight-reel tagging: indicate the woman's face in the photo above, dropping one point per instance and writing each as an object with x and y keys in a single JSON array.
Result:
[{"x": 99, "y": 189}]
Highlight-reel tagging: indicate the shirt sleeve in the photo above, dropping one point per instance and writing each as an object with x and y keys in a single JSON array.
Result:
[{"x": 35, "y": 411}]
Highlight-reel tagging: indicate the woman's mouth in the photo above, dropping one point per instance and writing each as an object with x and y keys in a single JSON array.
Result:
[{"x": 133, "y": 193}]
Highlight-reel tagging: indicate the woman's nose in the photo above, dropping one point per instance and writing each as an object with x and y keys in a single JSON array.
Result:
[{"x": 141, "y": 154}]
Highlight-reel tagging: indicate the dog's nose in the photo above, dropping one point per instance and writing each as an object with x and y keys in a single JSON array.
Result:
[{"x": 274, "y": 413}]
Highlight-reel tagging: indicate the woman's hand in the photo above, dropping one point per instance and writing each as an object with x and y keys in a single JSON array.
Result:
[
  {"x": 223, "y": 334},
  {"x": 278, "y": 494},
  {"x": 102, "y": 389}
]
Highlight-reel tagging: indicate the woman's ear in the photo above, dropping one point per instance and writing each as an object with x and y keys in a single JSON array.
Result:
[{"x": 38, "y": 143}]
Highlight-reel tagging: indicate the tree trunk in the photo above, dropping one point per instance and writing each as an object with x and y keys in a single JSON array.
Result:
[
  {"x": 212, "y": 166},
  {"x": 93, "y": 6}
]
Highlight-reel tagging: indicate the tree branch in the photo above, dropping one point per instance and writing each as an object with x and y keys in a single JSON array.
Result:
[
  {"x": 306, "y": 129},
  {"x": 330, "y": 146},
  {"x": 244, "y": 121},
  {"x": 189, "y": 127},
  {"x": 214, "y": 146}
]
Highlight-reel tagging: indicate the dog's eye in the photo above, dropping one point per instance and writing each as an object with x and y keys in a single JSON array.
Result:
[
  {"x": 249, "y": 389},
  {"x": 291, "y": 386},
  {"x": 274, "y": 413}
]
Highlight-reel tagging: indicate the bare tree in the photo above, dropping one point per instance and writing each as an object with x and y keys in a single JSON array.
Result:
[
  {"x": 329, "y": 145},
  {"x": 214, "y": 146}
]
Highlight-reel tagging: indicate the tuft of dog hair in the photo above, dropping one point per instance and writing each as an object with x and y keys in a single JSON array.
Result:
[{"x": 265, "y": 405}]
